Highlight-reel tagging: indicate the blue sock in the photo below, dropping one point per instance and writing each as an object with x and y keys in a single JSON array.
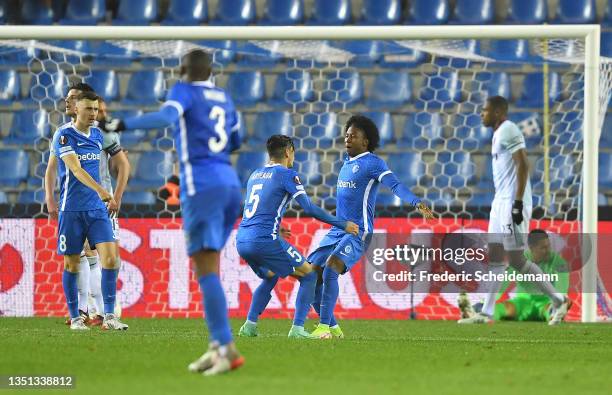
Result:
[
  {"x": 305, "y": 297},
  {"x": 215, "y": 308},
  {"x": 330, "y": 294},
  {"x": 261, "y": 298},
  {"x": 317, "y": 304},
  {"x": 109, "y": 289},
  {"x": 71, "y": 291}
]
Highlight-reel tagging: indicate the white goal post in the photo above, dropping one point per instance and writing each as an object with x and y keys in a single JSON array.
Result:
[{"x": 589, "y": 33}]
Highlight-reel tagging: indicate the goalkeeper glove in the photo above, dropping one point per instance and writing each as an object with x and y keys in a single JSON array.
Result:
[
  {"x": 112, "y": 125},
  {"x": 517, "y": 212}
]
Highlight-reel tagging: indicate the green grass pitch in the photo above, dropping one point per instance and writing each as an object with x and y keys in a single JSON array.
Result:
[{"x": 377, "y": 357}]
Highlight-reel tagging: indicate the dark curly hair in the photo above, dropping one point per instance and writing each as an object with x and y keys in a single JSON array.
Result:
[{"x": 367, "y": 126}]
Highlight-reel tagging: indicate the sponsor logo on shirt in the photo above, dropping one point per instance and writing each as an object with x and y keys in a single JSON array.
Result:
[
  {"x": 88, "y": 156},
  {"x": 347, "y": 184}
]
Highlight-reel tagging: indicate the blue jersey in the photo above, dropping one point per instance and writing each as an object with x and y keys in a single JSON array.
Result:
[
  {"x": 269, "y": 189},
  {"x": 205, "y": 135},
  {"x": 75, "y": 196}
]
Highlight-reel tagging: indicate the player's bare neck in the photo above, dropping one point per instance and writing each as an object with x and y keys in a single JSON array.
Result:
[
  {"x": 498, "y": 124},
  {"x": 82, "y": 128}
]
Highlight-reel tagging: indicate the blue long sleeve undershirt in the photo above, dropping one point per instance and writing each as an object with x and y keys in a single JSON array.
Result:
[
  {"x": 399, "y": 190},
  {"x": 318, "y": 213}
]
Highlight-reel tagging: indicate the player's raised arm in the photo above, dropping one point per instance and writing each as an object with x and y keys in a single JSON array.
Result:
[{"x": 388, "y": 179}]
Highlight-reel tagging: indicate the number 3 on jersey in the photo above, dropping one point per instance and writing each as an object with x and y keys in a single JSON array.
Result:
[
  {"x": 253, "y": 200},
  {"x": 217, "y": 144}
]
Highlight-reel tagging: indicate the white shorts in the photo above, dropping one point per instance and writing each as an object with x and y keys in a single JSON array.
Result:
[{"x": 501, "y": 228}]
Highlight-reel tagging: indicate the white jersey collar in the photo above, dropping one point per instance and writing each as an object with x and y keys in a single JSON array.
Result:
[
  {"x": 207, "y": 83},
  {"x": 358, "y": 156},
  {"x": 272, "y": 164}
]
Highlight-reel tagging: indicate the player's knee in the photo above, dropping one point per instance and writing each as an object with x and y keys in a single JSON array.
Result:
[
  {"x": 336, "y": 264},
  {"x": 108, "y": 261}
]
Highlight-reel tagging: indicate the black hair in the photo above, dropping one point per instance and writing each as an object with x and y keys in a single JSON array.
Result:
[
  {"x": 277, "y": 144},
  {"x": 498, "y": 103},
  {"x": 367, "y": 126},
  {"x": 81, "y": 86},
  {"x": 535, "y": 236},
  {"x": 88, "y": 95}
]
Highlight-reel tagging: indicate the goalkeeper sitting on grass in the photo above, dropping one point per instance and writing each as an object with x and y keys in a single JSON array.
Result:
[{"x": 528, "y": 304}]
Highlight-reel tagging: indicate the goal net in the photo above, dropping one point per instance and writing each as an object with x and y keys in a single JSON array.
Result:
[{"x": 424, "y": 95}]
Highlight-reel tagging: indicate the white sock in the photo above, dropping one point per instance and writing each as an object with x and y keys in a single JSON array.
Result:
[
  {"x": 95, "y": 284},
  {"x": 488, "y": 307},
  {"x": 545, "y": 286},
  {"x": 83, "y": 283}
]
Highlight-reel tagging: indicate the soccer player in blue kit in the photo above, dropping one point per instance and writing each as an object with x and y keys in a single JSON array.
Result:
[
  {"x": 269, "y": 190},
  {"x": 82, "y": 212},
  {"x": 357, "y": 186},
  {"x": 205, "y": 132}
]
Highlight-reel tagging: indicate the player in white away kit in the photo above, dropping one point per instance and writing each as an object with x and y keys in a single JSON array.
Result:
[{"x": 510, "y": 211}]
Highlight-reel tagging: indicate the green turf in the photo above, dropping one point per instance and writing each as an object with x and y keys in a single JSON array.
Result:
[{"x": 377, "y": 357}]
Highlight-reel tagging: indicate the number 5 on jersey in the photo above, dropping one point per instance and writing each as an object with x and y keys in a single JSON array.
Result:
[{"x": 253, "y": 201}]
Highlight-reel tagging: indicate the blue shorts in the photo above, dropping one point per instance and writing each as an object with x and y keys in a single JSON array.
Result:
[
  {"x": 76, "y": 226},
  {"x": 346, "y": 247},
  {"x": 209, "y": 217},
  {"x": 277, "y": 256}
]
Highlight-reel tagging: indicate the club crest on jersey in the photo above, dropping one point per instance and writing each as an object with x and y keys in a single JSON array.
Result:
[
  {"x": 355, "y": 169},
  {"x": 297, "y": 180},
  {"x": 63, "y": 140},
  {"x": 348, "y": 249}
]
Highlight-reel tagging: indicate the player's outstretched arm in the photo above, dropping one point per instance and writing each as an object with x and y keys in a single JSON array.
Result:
[
  {"x": 72, "y": 162},
  {"x": 50, "y": 176},
  {"x": 166, "y": 116},
  {"x": 390, "y": 181},
  {"x": 324, "y": 216}
]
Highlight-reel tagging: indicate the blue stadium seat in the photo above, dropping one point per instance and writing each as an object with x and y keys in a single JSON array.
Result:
[
  {"x": 293, "y": 87},
  {"x": 308, "y": 166},
  {"x": 576, "y": 11},
  {"x": 3, "y": 198},
  {"x": 252, "y": 56},
  {"x": 75, "y": 45},
  {"x": 606, "y": 43},
  {"x": 390, "y": 90},
  {"x": 136, "y": 12},
  {"x": 283, "y": 13},
  {"x": 331, "y": 12},
  {"x": 491, "y": 84},
  {"x": 17, "y": 57},
  {"x": 440, "y": 91},
  {"x": 470, "y": 134},
  {"x": 566, "y": 128},
  {"x": 606, "y": 132},
  {"x": 84, "y": 12},
  {"x": 16, "y": 160},
  {"x": 27, "y": 126},
  {"x": 269, "y": 123},
  {"x": 367, "y": 52},
  {"x": 235, "y": 12},
  {"x": 530, "y": 124},
  {"x": 429, "y": 12},
  {"x": 138, "y": 197},
  {"x": 48, "y": 88},
  {"x": 130, "y": 138},
  {"x": 532, "y": 95},
  {"x": 422, "y": 130},
  {"x": 36, "y": 12},
  {"x": 480, "y": 199},
  {"x": 454, "y": 169},
  {"x": 607, "y": 18},
  {"x": 469, "y": 46},
  {"x": 384, "y": 122},
  {"x": 110, "y": 55},
  {"x": 145, "y": 87},
  {"x": 381, "y": 12},
  {"x": 186, "y": 12},
  {"x": 562, "y": 172},
  {"x": 105, "y": 83},
  {"x": 474, "y": 12},
  {"x": 318, "y": 130},
  {"x": 4, "y": 16},
  {"x": 249, "y": 161},
  {"x": 533, "y": 12},
  {"x": 407, "y": 166},
  {"x": 31, "y": 197},
  {"x": 485, "y": 178},
  {"x": 247, "y": 88},
  {"x": 605, "y": 171},
  {"x": 10, "y": 87},
  {"x": 152, "y": 170},
  {"x": 224, "y": 50},
  {"x": 395, "y": 55},
  {"x": 345, "y": 88},
  {"x": 602, "y": 200},
  {"x": 509, "y": 50}
]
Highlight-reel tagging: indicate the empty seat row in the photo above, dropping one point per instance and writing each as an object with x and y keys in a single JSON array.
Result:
[{"x": 324, "y": 12}]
